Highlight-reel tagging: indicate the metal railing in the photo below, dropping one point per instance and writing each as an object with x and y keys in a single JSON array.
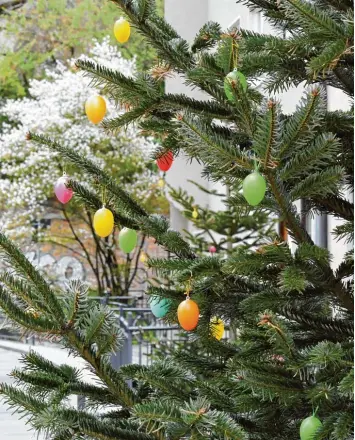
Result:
[{"x": 144, "y": 333}]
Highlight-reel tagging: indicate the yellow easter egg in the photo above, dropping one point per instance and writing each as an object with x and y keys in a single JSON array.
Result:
[
  {"x": 122, "y": 30},
  {"x": 161, "y": 183},
  {"x": 103, "y": 222},
  {"x": 143, "y": 258},
  {"x": 95, "y": 108},
  {"x": 217, "y": 328}
]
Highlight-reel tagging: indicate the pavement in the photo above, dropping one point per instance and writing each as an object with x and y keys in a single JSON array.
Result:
[{"x": 12, "y": 426}]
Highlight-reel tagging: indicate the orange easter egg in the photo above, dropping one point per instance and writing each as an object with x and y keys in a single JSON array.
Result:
[{"x": 188, "y": 314}]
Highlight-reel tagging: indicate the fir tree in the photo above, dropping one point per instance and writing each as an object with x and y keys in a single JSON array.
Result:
[
  {"x": 291, "y": 312},
  {"x": 220, "y": 230}
]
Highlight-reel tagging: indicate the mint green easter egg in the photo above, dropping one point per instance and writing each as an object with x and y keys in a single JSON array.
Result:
[
  {"x": 127, "y": 240},
  {"x": 159, "y": 306},
  {"x": 254, "y": 188},
  {"x": 309, "y": 427}
]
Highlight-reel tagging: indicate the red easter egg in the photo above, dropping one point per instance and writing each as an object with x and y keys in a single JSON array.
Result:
[
  {"x": 165, "y": 161},
  {"x": 188, "y": 314}
]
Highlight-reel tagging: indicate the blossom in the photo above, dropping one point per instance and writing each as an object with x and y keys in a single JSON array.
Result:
[{"x": 55, "y": 108}]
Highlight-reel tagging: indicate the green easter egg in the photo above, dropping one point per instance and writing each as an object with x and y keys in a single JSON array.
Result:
[
  {"x": 309, "y": 427},
  {"x": 159, "y": 306},
  {"x": 234, "y": 76},
  {"x": 254, "y": 188},
  {"x": 127, "y": 240}
]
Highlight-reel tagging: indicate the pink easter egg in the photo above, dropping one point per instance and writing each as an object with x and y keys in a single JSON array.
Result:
[
  {"x": 212, "y": 249},
  {"x": 63, "y": 193}
]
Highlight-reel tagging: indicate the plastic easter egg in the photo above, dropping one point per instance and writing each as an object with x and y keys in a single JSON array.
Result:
[
  {"x": 217, "y": 328},
  {"x": 62, "y": 192},
  {"x": 309, "y": 427},
  {"x": 188, "y": 314},
  {"x": 230, "y": 81},
  {"x": 127, "y": 240},
  {"x": 103, "y": 222},
  {"x": 95, "y": 108},
  {"x": 122, "y": 30},
  {"x": 165, "y": 161},
  {"x": 254, "y": 188},
  {"x": 159, "y": 306},
  {"x": 212, "y": 249}
]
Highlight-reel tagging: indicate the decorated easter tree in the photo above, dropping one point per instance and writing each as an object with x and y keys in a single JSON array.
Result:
[{"x": 287, "y": 371}]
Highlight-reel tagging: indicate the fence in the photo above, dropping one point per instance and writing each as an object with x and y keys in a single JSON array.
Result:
[{"x": 144, "y": 333}]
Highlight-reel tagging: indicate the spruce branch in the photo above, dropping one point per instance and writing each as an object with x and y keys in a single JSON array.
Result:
[
  {"x": 309, "y": 114},
  {"x": 319, "y": 183},
  {"x": 313, "y": 19},
  {"x": 338, "y": 5},
  {"x": 48, "y": 382},
  {"x": 33, "y": 361},
  {"x": 266, "y": 135},
  {"x": 22, "y": 266},
  {"x": 150, "y": 225},
  {"x": 94, "y": 201},
  {"x": 160, "y": 34},
  {"x": 317, "y": 156},
  {"x": 32, "y": 321},
  {"x": 329, "y": 58},
  {"x": 129, "y": 204},
  {"x": 287, "y": 211},
  {"x": 145, "y": 96},
  {"x": 114, "y": 124},
  {"x": 334, "y": 205},
  {"x": 103, "y": 370},
  {"x": 207, "y": 36},
  {"x": 343, "y": 328},
  {"x": 116, "y": 84},
  {"x": 24, "y": 291}
]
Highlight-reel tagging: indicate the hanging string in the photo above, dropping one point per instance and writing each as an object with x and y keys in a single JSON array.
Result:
[
  {"x": 235, "y": 49},
  {"x": 188, "y": 287},
  {"x": 103, "y": 196},
  {"x": 256, "y": 165}
]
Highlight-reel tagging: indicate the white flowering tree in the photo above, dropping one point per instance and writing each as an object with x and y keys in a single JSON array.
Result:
[{"x": 56, "y": 108}]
